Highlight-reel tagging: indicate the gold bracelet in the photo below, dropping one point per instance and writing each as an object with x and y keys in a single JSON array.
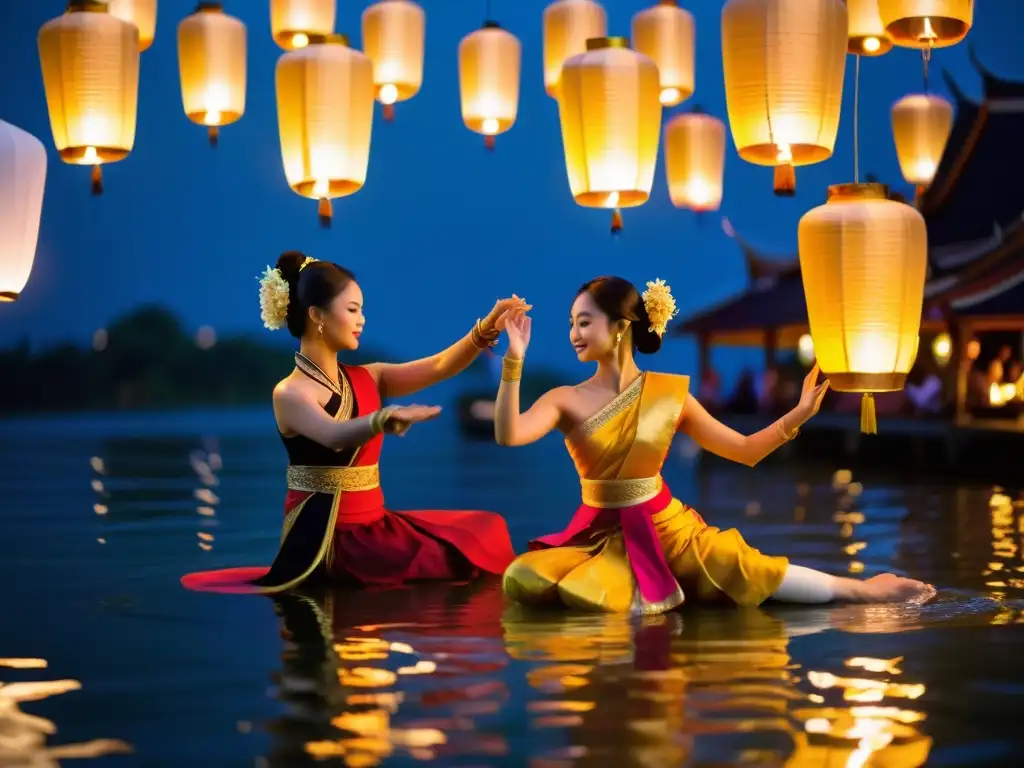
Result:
[
  {"x": 782, "y": 431},
  {"x": 379, "y": 419},
  {"x": 483, "y": 339},
  {"x": 511, "y": 369}
]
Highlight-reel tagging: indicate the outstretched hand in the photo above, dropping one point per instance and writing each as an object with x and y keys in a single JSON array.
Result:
[
  {"x": 503, "y": 308},
  {"x": 812, "y": 393},
  {"x": 405, "y": 416}
]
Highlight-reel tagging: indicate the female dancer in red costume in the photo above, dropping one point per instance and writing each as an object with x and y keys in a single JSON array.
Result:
[{"x": 332, "y": 424}]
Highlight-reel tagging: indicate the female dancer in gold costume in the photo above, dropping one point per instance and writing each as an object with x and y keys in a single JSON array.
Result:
[{"x": 631, "y": 546}]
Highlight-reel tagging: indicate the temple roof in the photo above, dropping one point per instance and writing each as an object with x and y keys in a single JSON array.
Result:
[{"x": 977, "y": 187}]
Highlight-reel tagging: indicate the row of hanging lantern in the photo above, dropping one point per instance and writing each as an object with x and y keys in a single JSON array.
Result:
[{"x": 863, "y": 255}]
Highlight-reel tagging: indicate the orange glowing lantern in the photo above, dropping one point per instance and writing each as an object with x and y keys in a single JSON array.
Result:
[
  {"x": 22, "y": 181},
  {"x": 568, "y": 24},
  {"x": 325, "y": 118},
  {"x": 784, "y": 63},
  {"x": 921, "y": 125},
  {"x": 293, "y": 21},
  {"x": 610, "y": 113},
  {"x": 90, "y": 63},
  {"x": 867, "y": 35},
  {"x": 665, "y": 33},
  {"x": 211, "y": 60},
  {"x": 863, "y": 259},
  {"x": 489, "y": 63},
  {"x": 926, "y": 24},
  {"x": 141, "y": 13},
  {"x": 695, "y": 161},
  {"x": 394, "y": 35}
]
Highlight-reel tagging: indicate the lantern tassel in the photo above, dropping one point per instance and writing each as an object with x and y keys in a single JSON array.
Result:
[
  {"x": 389, "y": 112},
  {"x": 616, "y": 221},
  {"x": 214, "y": 134},
  {"x": 868, "y": 424},
  {"x": 97, "y": 180},
  {"x": 326, "y": 212},
  {"x": 489, "y": 141},
  {"x": 785, "y": 180}
]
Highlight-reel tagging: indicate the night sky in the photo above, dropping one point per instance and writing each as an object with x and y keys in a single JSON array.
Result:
[{"x": 442, "y": 227}]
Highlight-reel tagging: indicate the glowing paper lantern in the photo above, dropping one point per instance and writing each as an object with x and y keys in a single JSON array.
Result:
[
  {"x": 665, "y": 33},
  {"x": 141, "y": 13},
  {"x": 695, "y": 161},
  {"x": 611, "y": 120},
  {"x": 863, "y": 259},
  {"x": 568, "y": 24},
  {"x": 489, "y": 63},
  {"x": 926, "y": 23},
  {"x": 293, "y": 21},
  {"x": 211, "y": 60},
  {"x": 22, "y": 179},
  {"x": 90, "y": 63},
  {"x": 394, "y": 34},
  {"x": 942, "y": 348},
  {"x": 921, "y": 125},
  {"x": 325, "y": 116},
  {"x": 867, "y": 35},
  {"x": 784, "y": 62}
]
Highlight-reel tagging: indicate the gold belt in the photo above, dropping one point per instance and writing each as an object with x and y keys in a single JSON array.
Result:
[
  {"x": 333, "y": 479},
  {"x": 613, "y": 494}
]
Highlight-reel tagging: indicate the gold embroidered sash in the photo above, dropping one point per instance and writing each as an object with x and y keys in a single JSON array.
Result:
[
  {"x": 615, "y": 494},
  {"x": 333, "y": 479}
]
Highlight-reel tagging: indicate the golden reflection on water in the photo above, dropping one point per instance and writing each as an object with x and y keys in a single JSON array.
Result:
[{"x": 23, "y": 736}]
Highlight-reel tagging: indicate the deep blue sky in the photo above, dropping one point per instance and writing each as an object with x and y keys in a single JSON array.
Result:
[{"x": 442, "y": 227}]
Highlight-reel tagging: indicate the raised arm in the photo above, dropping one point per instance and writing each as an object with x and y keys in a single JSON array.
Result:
[
  {"x": 400, "y": 379},
  {"x": 510, "y": 426},
  {"x": 299, "y": 413},
  {"x": 714, "y": 436}
]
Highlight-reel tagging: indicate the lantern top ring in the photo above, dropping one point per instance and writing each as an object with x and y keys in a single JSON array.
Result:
[
  {"x": 210, "y": 6},
  {"x": 87, "y": 6},
  {"x": 866, "y": 191},
  {"x": 332, "y": 38},
  {"x": 491, "y": 24},
  {"x": 597, "y": 43}
]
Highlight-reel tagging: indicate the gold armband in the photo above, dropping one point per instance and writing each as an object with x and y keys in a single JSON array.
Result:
[{"x": 511, "y": 369}]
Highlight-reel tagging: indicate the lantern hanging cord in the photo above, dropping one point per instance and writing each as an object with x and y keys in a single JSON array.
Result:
[
  {"x": 926, "y": 56},
  {"x": 856, "y": 123},
  {"x": 487, "y": 10}
]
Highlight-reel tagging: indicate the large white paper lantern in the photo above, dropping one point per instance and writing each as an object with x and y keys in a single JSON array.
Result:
[{"x": 22, "y": 180}]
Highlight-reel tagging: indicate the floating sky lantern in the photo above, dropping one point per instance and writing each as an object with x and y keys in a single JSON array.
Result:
[
  {"x": 568, "y": 24},
  {"x": 695, "y": 161},
  {"x": 665, "y": 33},
  {"x": 293, "y": 21},
  {"x": 867, "y": 35},
  {"x": 325, "y": 116},
  {"x": 863, "y": 259},
  {"x": 212, "y": 65},
  {"x": 926, "y": 24},
  {"x": 394, "y": 35},
  {"x": 921, "y": 124},
  {"x": 489, "y": 65},
  {"x": 141, "y": 13},
  {"x": 610, "y": 113},
  {"x": 22, "y": 180},
  {"x": 90, "y": 63},
  {"x": 784, "y": 62}
]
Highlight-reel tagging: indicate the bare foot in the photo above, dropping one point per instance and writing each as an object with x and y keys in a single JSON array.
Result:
[{"x": 889, "y": 588}]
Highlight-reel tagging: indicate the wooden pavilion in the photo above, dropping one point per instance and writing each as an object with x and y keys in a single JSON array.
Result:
[{"x": 974, "y": 210}]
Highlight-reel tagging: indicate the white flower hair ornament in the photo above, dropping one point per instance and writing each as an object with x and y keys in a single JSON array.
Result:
[
  {"x": 273, "y": 299},
  {"x": 660, "y": 305}
]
